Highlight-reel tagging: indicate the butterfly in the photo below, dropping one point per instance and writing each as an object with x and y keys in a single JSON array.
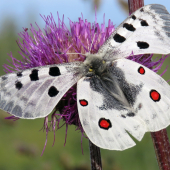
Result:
[{"x": 116, "y": 97}]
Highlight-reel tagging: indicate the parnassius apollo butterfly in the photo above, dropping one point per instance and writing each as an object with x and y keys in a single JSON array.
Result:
[{"x": 115, "y": 96}]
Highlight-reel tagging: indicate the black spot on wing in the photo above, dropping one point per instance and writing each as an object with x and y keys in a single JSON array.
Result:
[
  {"x": 34, "y": 75},
  {"x": 141, "y": 10},
  {"x": 144, "y": 23},
  {"x": 54, "y": 71},
  {"x": 133, "y": 17},
  {"x": 123, "y": 116},
  {"x": 129, "y": 27},
  {"x": 131, "y": 114},
  {"x": 17, "y": 111},
  {"x": 142, "y": 45},
  {"x": 118, "y": 38},
  {"x": 19, "y": 74},
  {"x": 52, "y": 92},
  {"x": 18, "y": 85}
]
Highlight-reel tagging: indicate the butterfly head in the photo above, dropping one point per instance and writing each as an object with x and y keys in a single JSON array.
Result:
[{"x": 94, "y": 64}]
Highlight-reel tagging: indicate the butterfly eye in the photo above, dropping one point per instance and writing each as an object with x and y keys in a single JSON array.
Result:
[{"x": 90, "y": 69}]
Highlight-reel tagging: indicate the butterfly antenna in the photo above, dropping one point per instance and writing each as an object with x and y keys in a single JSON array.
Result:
[
  {"x": 75, "y": 53},
  {"x": 69, "y": 53},
  {"x": 95, "y": 31}
]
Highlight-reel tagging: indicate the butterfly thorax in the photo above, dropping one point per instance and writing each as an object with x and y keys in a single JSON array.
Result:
[{"x": 100, "y": 72}]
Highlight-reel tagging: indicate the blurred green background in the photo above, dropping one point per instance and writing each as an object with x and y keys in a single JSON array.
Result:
[{"x": 22, "y": 142}]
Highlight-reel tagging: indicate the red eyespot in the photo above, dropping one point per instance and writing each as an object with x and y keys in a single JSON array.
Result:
[
  {"x": 105, "y": 123},
  {"x": 155, "y": 96},
  {"x": 83, "y": 102},
  {"x": 141, "y": 70}
]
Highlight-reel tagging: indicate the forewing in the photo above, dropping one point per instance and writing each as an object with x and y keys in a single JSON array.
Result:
[
  {"x": 152, "y": 103},
  {"x": 147, "y": 30},
  {"x": 104, "y": 118},
  {"x": 33, "y": 93}
]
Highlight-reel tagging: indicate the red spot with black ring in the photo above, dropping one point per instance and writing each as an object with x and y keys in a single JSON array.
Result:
[
  {"x": 141, "y": 70},
  {"x": 105, "y": 123},
  {"x": 155, "y": 96},
  {"x": 83, "y": 102}
]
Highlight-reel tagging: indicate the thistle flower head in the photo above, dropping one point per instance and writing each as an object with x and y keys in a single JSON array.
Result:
[{"x": 51, "y": 47}]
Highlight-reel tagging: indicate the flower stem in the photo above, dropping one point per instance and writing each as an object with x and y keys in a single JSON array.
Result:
[
  {"x": 162, "y": 148},
  {"x": 160, "y": 138},
  {"x": 95, "y": 156},
  {"x": 134, "y": 5}
]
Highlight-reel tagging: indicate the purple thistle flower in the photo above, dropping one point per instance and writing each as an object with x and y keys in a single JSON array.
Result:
[{"x": 51, "y": 47}]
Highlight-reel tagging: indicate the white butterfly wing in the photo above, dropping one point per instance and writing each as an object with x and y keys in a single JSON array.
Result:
[
  {"x": 105, "y": 126},
  {"x": 147, "y": 30},
  {"x": 131, "y": 98},
  {"x": 154, "y": 97},
  {"x": 33, "y": 93}
]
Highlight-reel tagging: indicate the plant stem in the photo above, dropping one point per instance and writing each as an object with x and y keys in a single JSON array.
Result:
[
  {"x": 162, "y": 148},
  {"x": 95, "y": 157},
  {"x": 160, "y": 138},
  {"x": 134, "y": 5}
]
